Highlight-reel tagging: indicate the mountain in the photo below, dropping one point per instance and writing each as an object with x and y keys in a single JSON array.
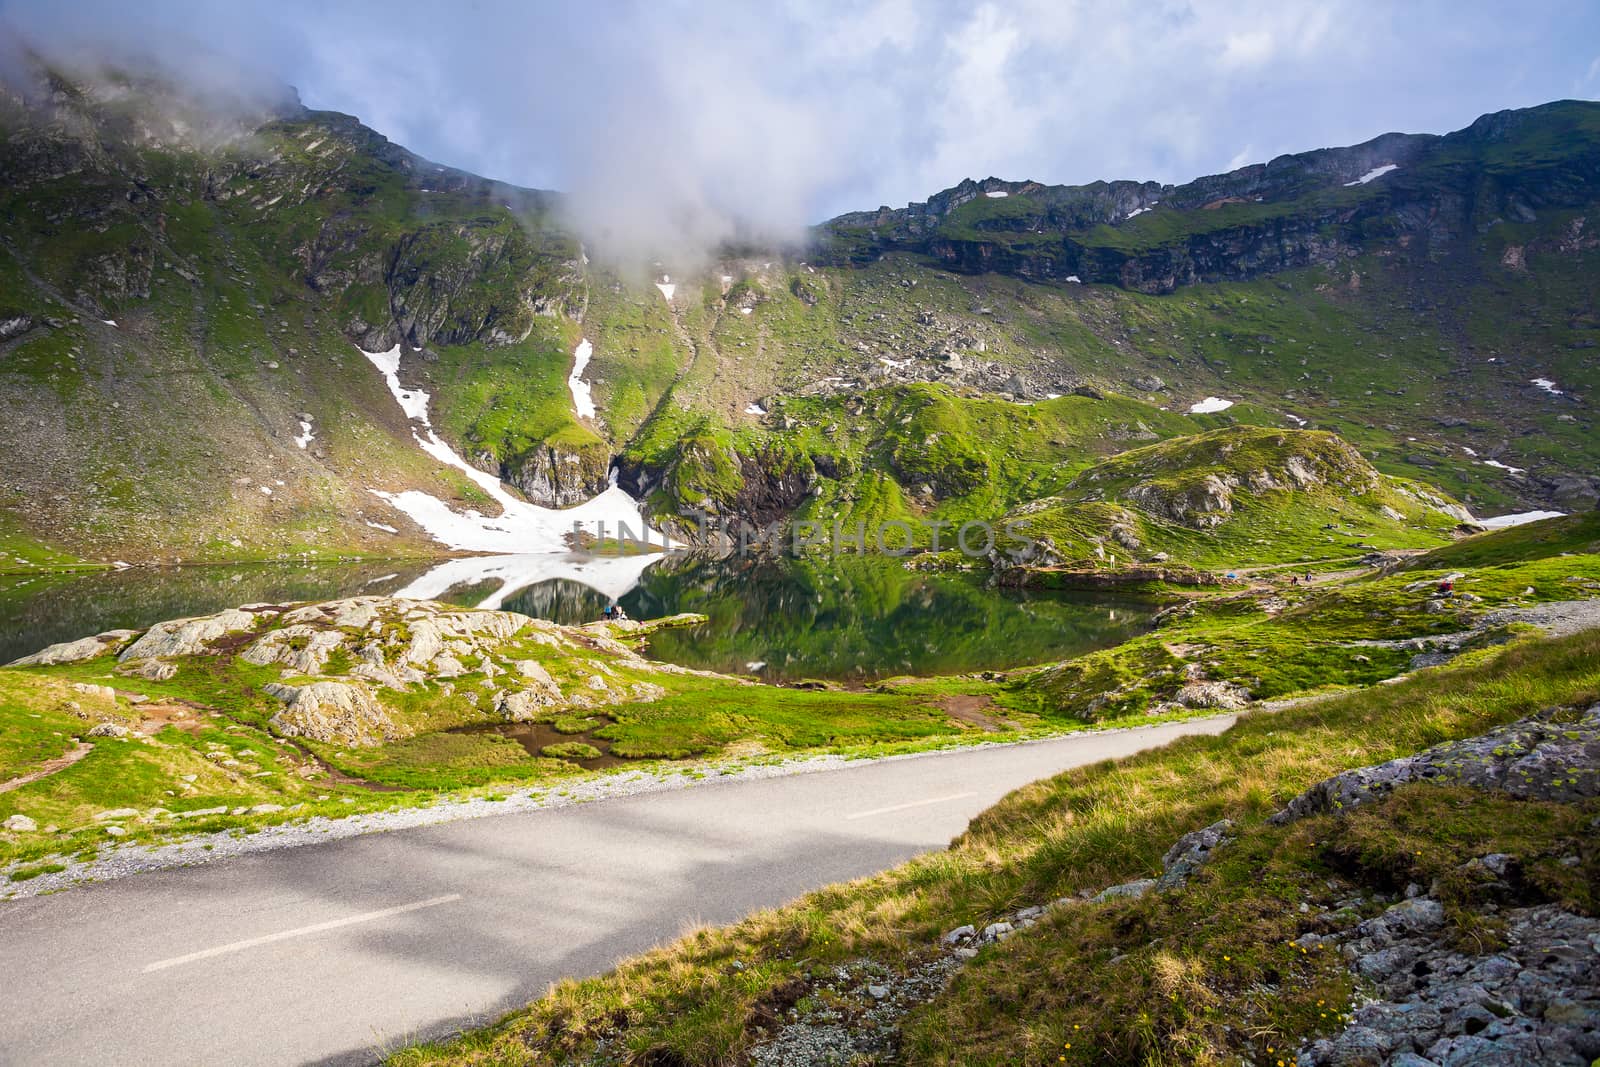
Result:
[{"x": 186, "y": 293}]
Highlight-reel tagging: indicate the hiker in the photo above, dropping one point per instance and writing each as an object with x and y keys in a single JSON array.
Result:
[
  {"x": 1308, "y": 577},
  {"x": 1294, "y": 579},
  {"x": 1447, "y": 587}
]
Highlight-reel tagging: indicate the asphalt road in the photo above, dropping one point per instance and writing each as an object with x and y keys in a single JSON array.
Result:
[{"x": 335, "y": 953}]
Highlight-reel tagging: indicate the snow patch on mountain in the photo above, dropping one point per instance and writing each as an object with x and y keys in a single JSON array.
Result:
[
  {"x": 520, "y": 528},
  {"x": 1374, "y": 173},
  {"x": 1501, "y": 522},
  {"x": 582, "y": 394}
]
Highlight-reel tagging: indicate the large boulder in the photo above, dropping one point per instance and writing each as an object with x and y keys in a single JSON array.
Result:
[
  {"x": 1225, "y": 695},
  {"x": 188, "y": 637},
  {"x": 298, "y": 646},
  {"x": 1537, "y": 758},
  {"x": 334, "y": 712},
  {"x": 75, "y": 651}
]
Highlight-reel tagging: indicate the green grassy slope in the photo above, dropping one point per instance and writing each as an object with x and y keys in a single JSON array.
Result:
[
  {"x": 241, "y": 269},
  {"x": 1172, "y": 965}
]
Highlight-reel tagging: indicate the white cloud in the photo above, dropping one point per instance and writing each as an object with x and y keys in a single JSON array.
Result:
[
  {"x": 676, "y": 122},
  {"x": 1248, "y": 49}
]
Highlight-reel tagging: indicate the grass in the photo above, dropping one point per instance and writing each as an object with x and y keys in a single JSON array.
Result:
[
  {"x": 1214, "y": 973},
  {"x": 1095, "y": 826},
  {"x": 450, "y": 761}
]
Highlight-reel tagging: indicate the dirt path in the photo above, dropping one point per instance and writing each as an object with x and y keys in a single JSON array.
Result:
[
  {"x": 974, "y": 710},
  {"x": 49, "y": 767}
]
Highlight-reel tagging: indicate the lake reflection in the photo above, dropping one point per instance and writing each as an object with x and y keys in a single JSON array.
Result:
[{"x": 849, "y": 618}]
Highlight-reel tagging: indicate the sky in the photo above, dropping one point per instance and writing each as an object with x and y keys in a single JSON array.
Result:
[{"x": 702, "y": 120}]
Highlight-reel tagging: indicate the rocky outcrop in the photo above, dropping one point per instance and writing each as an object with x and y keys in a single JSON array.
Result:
[
  {"x": 299, "y": 647},
  {"x": 710, "y": 495},
  {"x": 1434, "y": 1002},
  {"x": 1227, "y": 695},
  {"x": 555, "y": 477},
  {"x": 1301, "y": 210},
  {"x": 1540, "y": 758},
  {"x": 340, "y": 713},
  {"x": 366, "y": 670},
  {"x": 1537, "y": 1000},
  {"x": 1088, "y": 578},
  {"x": 76, "y": 651},
  {"x": 188, "y": 637}
]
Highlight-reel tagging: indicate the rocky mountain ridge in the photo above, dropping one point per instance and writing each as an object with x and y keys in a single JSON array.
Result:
[{"x": 165, "y": 268}]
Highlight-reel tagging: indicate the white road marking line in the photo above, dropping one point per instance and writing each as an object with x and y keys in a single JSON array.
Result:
[
  {"x": 303, "y": 931},
  {"x": 909, "y": 804}
]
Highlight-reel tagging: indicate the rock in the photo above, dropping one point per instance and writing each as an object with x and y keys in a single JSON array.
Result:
[
  {"x": 996, "y": 931},
  {"x": 960, "y": 933},
  {"x": 118, "y": 813},
  {"x": 265, "y": 809},
  {"x": 1533, "y": 758},
  {"x": 1356, "y": 1047},
  {"x": 96, "y": 692},
  {"x": 1226, "y": 695},
  {"x": 1534, "y": 1000},
  {"x": 1419, "y": 913},
  {"x": 187, "y": 637},
  {"x": 108, "y": 729},
  {"x": 1190, "y": 852},
  {"x": 199, "y": 812},
  {"x": 153, "y": 670},
  {"x": 300, "y": 647},
  {"x": 1150, "y": 383},
  {"x": 523, "y": 705},
  {"x": 76, "y": 651},
  {"x": 20, "y": 824},
  {"x": 965, "y": 953},
  {"x": 877, "y": 992},
  {"x": 1133, "y": 890},
  {"x": 116, "y": 831},
  {"x": 333, "y": 712}
]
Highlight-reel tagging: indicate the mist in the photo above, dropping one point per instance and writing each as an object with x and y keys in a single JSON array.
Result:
[{"x": 676, "y": 127}]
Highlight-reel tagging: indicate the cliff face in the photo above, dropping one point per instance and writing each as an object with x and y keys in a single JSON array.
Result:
[
  {"x": 554, "y": 476},
  {"x": 1314, "y": 208},
  {"x": 713, "y": 493},
  {"x": 181, "y": 286}
]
